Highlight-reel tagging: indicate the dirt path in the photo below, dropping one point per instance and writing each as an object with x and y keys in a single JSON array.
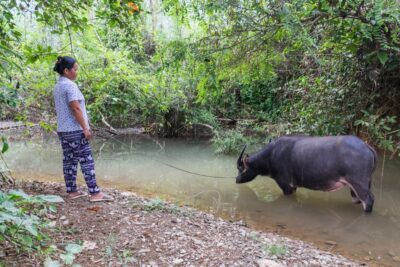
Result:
[
  {"x": 10, "y": 124},
  {"x": 135, "y": 231}
]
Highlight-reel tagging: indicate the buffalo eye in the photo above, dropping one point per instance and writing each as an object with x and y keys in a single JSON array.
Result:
[{"x": 241, "y": 169}]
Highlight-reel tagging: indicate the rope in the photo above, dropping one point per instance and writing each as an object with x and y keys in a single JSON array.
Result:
[
  {"x": 194, "y": 173},
  {"x": 174, "y": 167}
]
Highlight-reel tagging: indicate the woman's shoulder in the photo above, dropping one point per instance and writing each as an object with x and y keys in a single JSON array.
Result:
[{"x": 65, "y": 82}]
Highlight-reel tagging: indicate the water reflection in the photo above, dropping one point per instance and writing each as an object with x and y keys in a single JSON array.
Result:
[{"x": 137, "y": 164}]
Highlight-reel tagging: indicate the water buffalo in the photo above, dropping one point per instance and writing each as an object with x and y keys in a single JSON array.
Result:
[{"x": 319, "y": 163}]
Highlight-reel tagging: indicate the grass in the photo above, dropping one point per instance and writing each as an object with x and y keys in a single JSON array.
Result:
[
  {"x": 276, "y": 250},
  {"x": 125, "y": 257}
]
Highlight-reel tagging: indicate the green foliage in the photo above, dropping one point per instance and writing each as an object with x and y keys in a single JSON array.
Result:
[
  {"x": 203, "y": 116},
  {"x": 124, "y": 94},
  {"x": 316, "y": 105},
  {"x": 154, "y": 205},
  {"x": 47, "y": 126},
  {"x": 261, "y": 100},
  {"x": 276, "y": 250},
  {"x": 20, "y": 219},
  {"x": 379, "y": 129},
  {"x": 7, "y": 59},
  {"x": 230, "y": 142},
  {"x": 126, "y": 257},
  {"x": 117, "y": 13},
  {"x": 311, "y": 66},
  {"x": 70, "y": 251},
  {"x": 119, "y": 28},
  {"x": 67, "y": 258},
  {"x": 8, "y": 35},
  {"x": 8, "y": 98},
  {"x": 50, "y": 263},
  {"x": 312, "y": 62},
  {"x": 47, "y": 12},
  {"x": 4, "y": 145}
]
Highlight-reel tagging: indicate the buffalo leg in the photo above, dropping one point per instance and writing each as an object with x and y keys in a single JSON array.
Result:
[
  {"x": 286, "y": 188},
  {"x": 365, "y": 195}
]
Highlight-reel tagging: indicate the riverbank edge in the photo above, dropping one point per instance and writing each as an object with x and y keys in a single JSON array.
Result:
[{"x": 154, "y": 232}]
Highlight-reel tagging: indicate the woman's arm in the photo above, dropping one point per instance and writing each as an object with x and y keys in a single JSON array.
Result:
[{"x": 77, "y": 112}]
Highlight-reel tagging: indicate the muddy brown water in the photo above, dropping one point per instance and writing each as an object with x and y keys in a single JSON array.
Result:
[{"x": 329, "y": 220}]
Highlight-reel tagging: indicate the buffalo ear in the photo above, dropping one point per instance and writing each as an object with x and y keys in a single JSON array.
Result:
[{"x": 246, "y": 161}]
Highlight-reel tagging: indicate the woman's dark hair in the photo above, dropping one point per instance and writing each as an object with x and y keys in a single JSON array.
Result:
[{"x": 63, "y": 63}]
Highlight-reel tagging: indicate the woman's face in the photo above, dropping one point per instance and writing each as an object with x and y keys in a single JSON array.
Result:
[{"x": 72, "y": 73}]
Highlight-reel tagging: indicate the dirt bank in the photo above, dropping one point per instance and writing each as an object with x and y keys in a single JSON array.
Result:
[{"x": 136, "y": 231}]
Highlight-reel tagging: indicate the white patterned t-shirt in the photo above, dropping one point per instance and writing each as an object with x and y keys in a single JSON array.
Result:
[{"x": 64, "y": 92}]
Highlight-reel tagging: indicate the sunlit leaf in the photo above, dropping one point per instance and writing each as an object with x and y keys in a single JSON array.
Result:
[
  {"x": 27, "y": 241},
  {"x": 51, "y": 198},
  {"x": 73, "y": 248},
  {"x": 50, "y": 263},
  {"x": 383, "y": 57},
  {"x": 67, "y": 258},
  {"x": 17, "y": 194},
  {"x": 5, "y": 147},
  {"x": 30, "y": 227}
]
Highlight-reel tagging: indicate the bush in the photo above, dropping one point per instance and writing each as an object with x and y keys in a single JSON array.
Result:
[
  {"x": 21, "y": 224},
  {"x": 230, "y": 142}
]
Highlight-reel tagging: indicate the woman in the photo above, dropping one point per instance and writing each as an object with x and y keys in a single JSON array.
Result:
[{"x": 74, "y": 131}]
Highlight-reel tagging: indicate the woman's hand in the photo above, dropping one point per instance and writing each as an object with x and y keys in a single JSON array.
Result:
[
  {"x": 77, "y": 112},
  {"x": 88, "y": 134}
]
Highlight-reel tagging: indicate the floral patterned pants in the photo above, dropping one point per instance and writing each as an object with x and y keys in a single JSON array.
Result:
[{"x": 77, "y": 149}]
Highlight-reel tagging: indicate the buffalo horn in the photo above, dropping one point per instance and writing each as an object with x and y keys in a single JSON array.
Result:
[{"x": 239, "y": 161}]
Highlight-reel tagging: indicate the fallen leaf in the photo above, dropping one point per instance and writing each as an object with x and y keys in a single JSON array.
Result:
[{"x": 94, "y": 208}]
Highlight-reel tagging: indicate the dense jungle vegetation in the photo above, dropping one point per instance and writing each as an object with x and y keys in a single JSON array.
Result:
[{"x": 237, "y": 69}]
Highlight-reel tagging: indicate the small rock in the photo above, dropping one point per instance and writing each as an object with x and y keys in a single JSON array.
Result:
[
  {"x": 330, "y": 243},
  {"x": 62, "y": 218},
  {"x": 177, "y": 261},
  {"x": 281, "y": 225},
  {"x": 314, "y": 263},
  {"x": 197, "y": 241},
  {"x": 89, "y": 245},
  {"x": 396, "y": 258},
  {"x": 368, "y": 258},
  {"x": 52, "y": 224},
  {"x": 145, "y": 250},
  {"x": 51, "y": 216},
  {"x": 268, "y": 263}
]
